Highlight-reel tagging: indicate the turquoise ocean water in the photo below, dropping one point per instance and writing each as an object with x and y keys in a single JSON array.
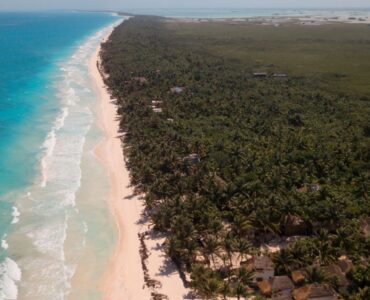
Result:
[{"x": 47, "y": 136}]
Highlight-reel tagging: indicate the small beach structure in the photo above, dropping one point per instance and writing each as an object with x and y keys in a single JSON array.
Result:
[
  {"x": 280, "y": 75},
  {"x": 263, "y": 268},
  {"x": 309, "y": 188},
  {"x": 315, "y": 292},
  {"x": 156, "y": 102},
  {"x": 192, "y": 159},
  {"x": 177, "y": 90},
  {"x": 314, "y": 187},
  {"x": 345, "y": 264},
  {"x": 302, "y": 189},
  {"x": 141, "y": 80},
  {"x": 298, "y": 276},
  {"x": 219, "y": 182},
  {"x": 334, "y": 271},
  {"x": 282, "y": 284},
  {"x": 264, "y": 287},
  {"x": 295, "y": 225},
  {"x": 260, "y": 74},
  {"x": 155, "y": 106},
  {"x": 281, "y": 296},
  {"x": 278, "y": 285},
  {"x": 365, "y": 227},
  {"x": 157, "y": 109}
]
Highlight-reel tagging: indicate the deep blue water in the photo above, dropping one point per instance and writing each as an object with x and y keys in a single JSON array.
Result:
[{"x": 31, "y": 45}]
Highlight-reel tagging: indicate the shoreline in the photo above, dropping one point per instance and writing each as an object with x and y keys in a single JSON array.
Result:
[{"x": 124, "y": 275}]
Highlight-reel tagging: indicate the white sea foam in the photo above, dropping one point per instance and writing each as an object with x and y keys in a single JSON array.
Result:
[
  {"x": 15, "y": 215},
  {"x": 60, "y": 121},
  {"x": 86, "y": 228},
  {"x": 48, "y": 220},
  {"x": 9, "y": 275},
  {"x": 4, "y": 244},
  {"x": 49, "y": 144}
]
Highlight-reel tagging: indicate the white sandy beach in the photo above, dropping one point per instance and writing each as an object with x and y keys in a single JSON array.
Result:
[{"x": 124, "y": 276}]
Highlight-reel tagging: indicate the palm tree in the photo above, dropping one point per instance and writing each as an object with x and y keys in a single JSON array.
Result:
[
  {"x": 240, "y": 291},
  {"x": 211, "y": 288},
  {"x": 284, "y": 261},
  {"x": 344, "y": 239},
  {"x": 243, "y": 247},
  {"x": 323, "y": 235},
  {"x": 229, "y": 247},
  {"x": 302, "y": 252},
  {"x": 244, "y": 277},
  {"x": 363, "y": 187},
  {"x": 198, "y": 272},
  {"x": 315, "y": 275},
  {"x": 211, "y": 245},
  {"x": 326, "y": 253},
  {"x": 225, "y": 290},
  {"x": 215, "y": 226},
  {"x": 362, "y": 294},
  {"x": 241, "y": 226},
  {"x": 174, "y": 248},
  {"x": 263, "y": 221}
]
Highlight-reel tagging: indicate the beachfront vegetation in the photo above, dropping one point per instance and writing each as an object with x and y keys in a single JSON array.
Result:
[{"x": 232, "y": 163}]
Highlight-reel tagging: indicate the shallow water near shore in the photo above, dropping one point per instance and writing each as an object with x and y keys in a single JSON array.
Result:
[{"x": 55, "y": 227}]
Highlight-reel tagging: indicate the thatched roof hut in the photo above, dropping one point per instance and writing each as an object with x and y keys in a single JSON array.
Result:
[
  {"x": 263, "y": 262},
  {"x": 298, "y": 276},
  {"x": 281, "y": 296},
  {"x": 295, "y": 225},
  {"x": 263, "y": 268},
  {"x": 278, "y": 285},
  {"x": 345, "y": 264},
  {"x": 281, "y": 283},
  {"x": 334, "y": 271},
  {"x": 315, "y": 292},
  {"x": 365, "y": 227},
  {"x": 265, "y": 287},
  {"x": 141, "y": 80},
  {"x": 219, "y": 182}
]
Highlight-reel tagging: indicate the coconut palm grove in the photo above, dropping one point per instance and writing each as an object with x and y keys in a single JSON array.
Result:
[{"x": 257, "y": 173}]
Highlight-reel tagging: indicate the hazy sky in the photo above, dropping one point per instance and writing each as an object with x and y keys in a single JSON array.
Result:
[{"x": 122, "y": 4}]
